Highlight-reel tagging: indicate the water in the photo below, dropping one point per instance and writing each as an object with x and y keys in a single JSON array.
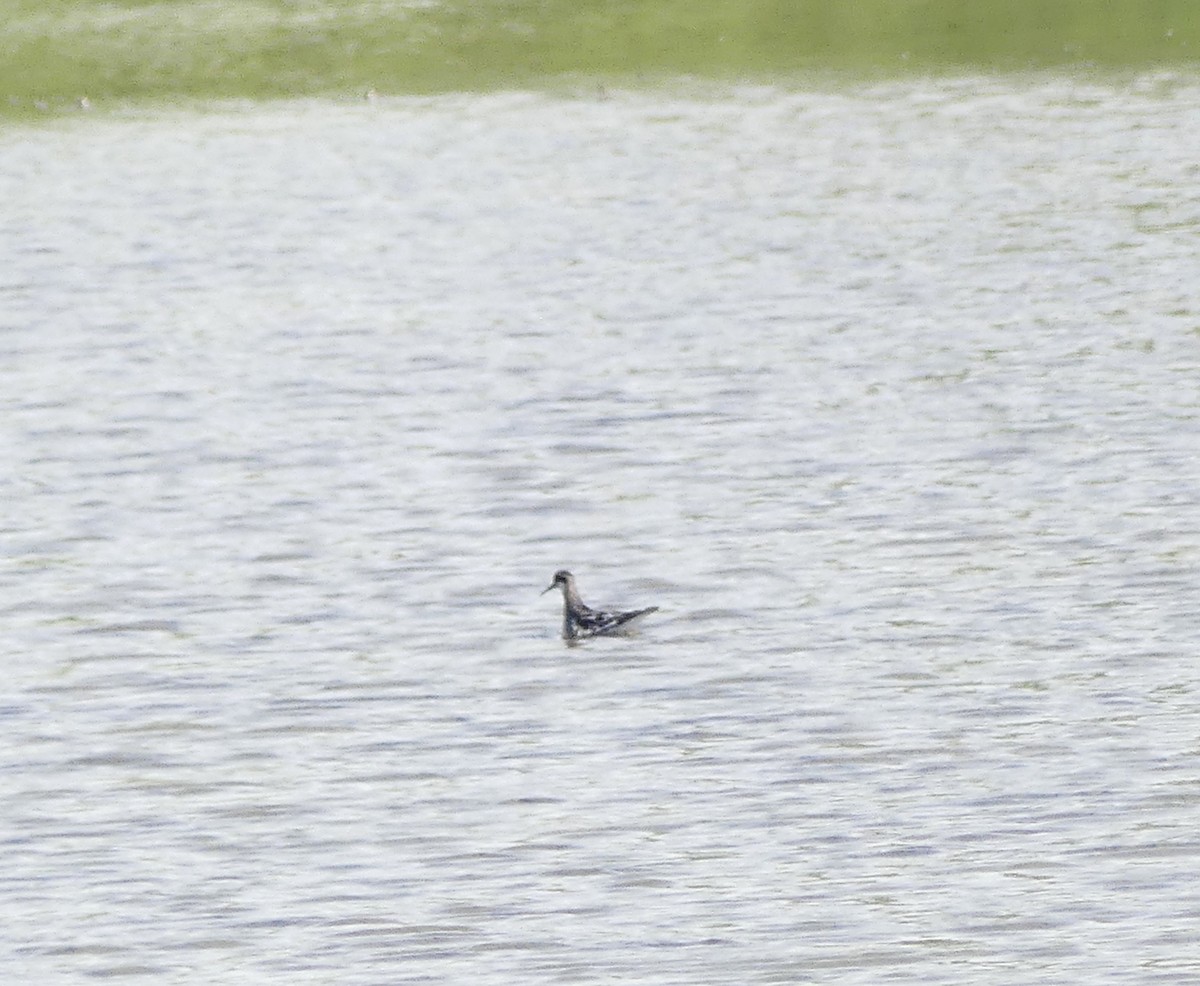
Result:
[
  {"x": 887, "y": 396},
  {"x": 55, "y": 56}
]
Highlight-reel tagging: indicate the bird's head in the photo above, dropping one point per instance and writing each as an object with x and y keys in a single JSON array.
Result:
[{"x": 561, "y": 578}]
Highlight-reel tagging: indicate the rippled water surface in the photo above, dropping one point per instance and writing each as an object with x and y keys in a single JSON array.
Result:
[{"x": 889, "y": 398}]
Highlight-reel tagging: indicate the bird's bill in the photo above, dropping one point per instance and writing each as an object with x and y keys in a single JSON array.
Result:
[{"x": 548, "y": 588}]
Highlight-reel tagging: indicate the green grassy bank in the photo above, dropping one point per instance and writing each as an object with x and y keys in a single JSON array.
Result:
[{"x": 54, "y": 52}]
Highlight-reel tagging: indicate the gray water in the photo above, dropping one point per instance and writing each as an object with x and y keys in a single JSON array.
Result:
[{"x": 889, "y": 397}]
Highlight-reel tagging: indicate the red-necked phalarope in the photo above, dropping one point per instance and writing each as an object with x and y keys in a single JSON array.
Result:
[{"x": 580, "y": 620}]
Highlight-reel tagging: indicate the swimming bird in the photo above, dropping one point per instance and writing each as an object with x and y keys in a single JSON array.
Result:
[{"x": 580, "y": 620}]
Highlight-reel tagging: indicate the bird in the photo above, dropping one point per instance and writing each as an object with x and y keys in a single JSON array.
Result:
[{"x": 580, "y": 620}]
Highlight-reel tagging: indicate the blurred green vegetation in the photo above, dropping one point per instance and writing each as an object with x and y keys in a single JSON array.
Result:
[{"x": 54, "y": 52}]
